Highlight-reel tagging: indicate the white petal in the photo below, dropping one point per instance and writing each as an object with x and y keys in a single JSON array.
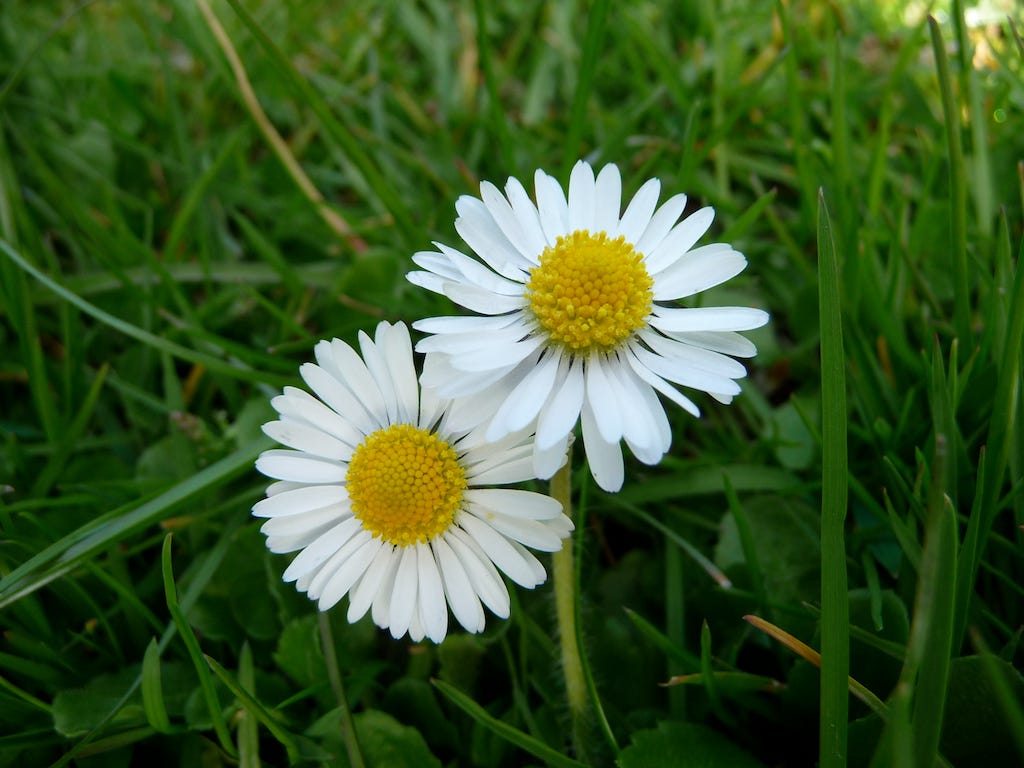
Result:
[
  {"x": 608, "y": 200},
  {"x": 726, "y": 342},
  {"x": 499, "y": 550},
  {"x": 307, "y": 439},
  {"x": 475, "y": 273},
  {"x": 427, "y": 280},
  {"x": 299, "y": 405},
  {"x": 481, "y": 571},
  {"x": 680, "y": 373},
  {"x": 680, "y": 240},
  {"x": 373, "y": 356},
  {"x": 533, "y": 243},
  {"x": 449, "y": 382},
  {"x": 459, "y": 592},
  {"x": 397, "y": 349},
  {"x": 433, "y": 608},
  {"x": 348, "y": 573},
  {"x": 661, "y": 224},
  {"x": 707, "y": 318},
  {"x": 506, "y": 220},
  {"x": 642, "y": 429},
  {"x": 661, "y": 385},
  {"x": 698, "y": 270},
  {"x": 638, "y": 212},
  {"x": 507, "y": 466},
  {"x": 320, "y": 550},
  {"x": 547, "y": 461},
  {"x": 501, "y": 356},
  {"x": 474, "y": 341},
  {"x": 404, "y": 594},
  {"x": 317, "y": 520},
  {"x": 603, "y": 400},
  {"x": 298, "y": 467},
  {"x": 552, "y": 207},
  {"x": 515, "y": 503},
  {"x": 366, "y": 589},
  {"x": 605, "y": 458},
  {"x": 559, "y": 415},
  {"x": 345, "y": 365},
  {"x": 532, "y": 533},
  {"x": 526, "y": 400},
  {"x": 336, "y": 395},
  {"x": 694, "y": 357},
  {"x": 306, "y": 498},
  {"x": 581, "y": 197},
  {"x": 380, "y": 606},
  {"x": 463, "y": 324},
  {"x": 478, "y": 229},
  {"x": 481, "y": 300}
]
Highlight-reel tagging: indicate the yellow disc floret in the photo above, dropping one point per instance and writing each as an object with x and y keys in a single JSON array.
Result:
[
  {"x": 405, "y": 484},
  {"x": 589, "y": 292}
]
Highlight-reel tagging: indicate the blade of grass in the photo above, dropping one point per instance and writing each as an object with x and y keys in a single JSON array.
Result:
[
  {"x": 512, "y": 735},
  {"x": 248, "y": 728},
  {"x": 597, "y": 17},
  {"x": 998, "y": 447},
  {"x": 234, "y": 369},
  {"x": 334, "y": 220},
  {"x": 195, "y": 653},
  {"x": 809, "y": 654},
  {"x": 152, "y": 690},
  {"x": 835, "y": 613},
  {"x": 496, "y": 114},
  {"x": 354, "y": 149},
  {"x": 957, "y": 189},
  {"x": 74, "y": 549}
]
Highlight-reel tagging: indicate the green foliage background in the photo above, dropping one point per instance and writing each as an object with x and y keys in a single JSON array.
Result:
[{"x": 162, "y": 274}]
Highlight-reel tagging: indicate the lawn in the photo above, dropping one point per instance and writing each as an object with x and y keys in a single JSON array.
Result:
[{"x": 193, "y": 193}]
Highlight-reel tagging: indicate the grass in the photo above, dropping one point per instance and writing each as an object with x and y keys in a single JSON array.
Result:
[{"x": 193, "y": 193}]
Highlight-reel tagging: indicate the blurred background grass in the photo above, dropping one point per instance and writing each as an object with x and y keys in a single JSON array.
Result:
[{"x": 164, "y": 272}]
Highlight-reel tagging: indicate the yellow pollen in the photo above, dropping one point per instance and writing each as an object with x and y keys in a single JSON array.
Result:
[
  {"x": 405, "y": 484},
  {"x": 589, "y": 292}
]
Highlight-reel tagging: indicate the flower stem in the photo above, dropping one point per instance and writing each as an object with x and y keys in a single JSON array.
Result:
[
  {"x": 564, "y": 578},
  {"x": 348, "y": 726}
]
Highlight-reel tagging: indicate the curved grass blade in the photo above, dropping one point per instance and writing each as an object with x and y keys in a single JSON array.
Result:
[
  {"x": 513, "y": 735},
  {"x": 194, "y": 652},
  {"x": 235, "y": 370},
  {"x": 835, "y": 613}
]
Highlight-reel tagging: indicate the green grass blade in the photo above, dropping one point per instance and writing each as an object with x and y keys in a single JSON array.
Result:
[
  {"x": 74, "y": 549},
  {"x": 355, "y": 150},
  {"x": 152, "y": 690},
  {"x": 597, "y": 17},
  {"x": 235, "y": 370},
  {"x": 256, "y": 709},
  {"x": 513, "y": 735},
  {"x": 998, "y": 447},
  {"x": 194, "y": 651},
  {"x": 957, "y": 189},
  {"x": 835, "y": 618}
]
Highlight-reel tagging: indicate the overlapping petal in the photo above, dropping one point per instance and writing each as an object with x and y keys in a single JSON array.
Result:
[
  {"x": 407, "y": 589},
  {"x": 532, "y": 378}
]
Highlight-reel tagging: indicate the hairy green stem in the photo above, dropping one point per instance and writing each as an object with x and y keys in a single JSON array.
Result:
[{"x": 563, "y": 576}]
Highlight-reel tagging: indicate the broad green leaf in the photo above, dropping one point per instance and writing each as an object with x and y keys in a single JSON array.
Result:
[{"x": 684, "y": 744}]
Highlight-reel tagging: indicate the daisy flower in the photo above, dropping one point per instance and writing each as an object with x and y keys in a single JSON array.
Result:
[
  {"x": 386, "y": 503},
  {"x": 579, "y": 318}
]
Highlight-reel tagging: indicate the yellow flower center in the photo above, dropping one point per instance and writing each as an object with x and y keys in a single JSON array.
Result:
[
  {"x": 590, "y": 292},
  {"x": 405, "y": 484}
]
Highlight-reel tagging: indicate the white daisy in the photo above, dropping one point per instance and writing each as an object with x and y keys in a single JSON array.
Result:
[
  {"x": 577, "y": 327},
  {"x": 383, "y": 499}
]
